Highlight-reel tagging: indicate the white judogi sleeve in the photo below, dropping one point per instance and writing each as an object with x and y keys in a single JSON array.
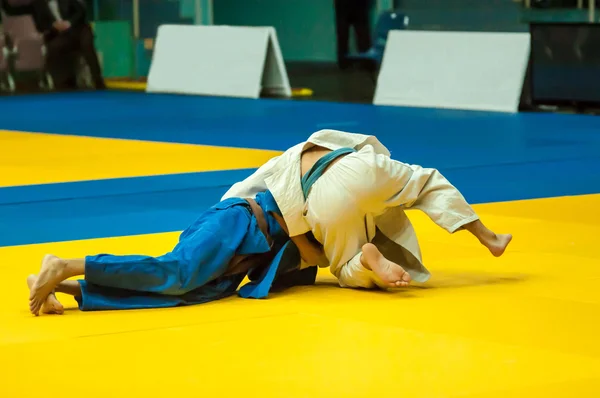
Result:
[
  {"x": 253, "y": 184},
  {"x": 399, "y": 184}
]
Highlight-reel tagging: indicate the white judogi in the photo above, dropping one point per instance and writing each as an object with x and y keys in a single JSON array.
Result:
[{"x": 359, "y": 199}]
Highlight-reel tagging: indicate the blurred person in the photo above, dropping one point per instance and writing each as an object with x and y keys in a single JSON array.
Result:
[
  {"x": 352, "y": 14},
  {"x": 68, "y": 34}
]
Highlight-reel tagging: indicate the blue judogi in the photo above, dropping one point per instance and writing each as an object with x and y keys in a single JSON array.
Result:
[{"x": 193, "y": 272}]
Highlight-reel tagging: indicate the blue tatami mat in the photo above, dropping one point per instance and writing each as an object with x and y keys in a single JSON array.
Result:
[
  {"x": 131, "y": 206},
  {"x": 490, "y": 157}
]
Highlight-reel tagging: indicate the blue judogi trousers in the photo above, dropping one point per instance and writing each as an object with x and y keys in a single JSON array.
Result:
[{"x": 190, "y": 274}]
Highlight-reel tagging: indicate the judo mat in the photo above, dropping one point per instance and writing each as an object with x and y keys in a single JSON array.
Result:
[{"x": 123, "y": 172}]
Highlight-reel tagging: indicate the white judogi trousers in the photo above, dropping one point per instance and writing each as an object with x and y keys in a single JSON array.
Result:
[{"x": 345, "y": 203}]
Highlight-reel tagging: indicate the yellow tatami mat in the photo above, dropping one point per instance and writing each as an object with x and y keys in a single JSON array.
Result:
[
  {"x": 524, "y": 325},
  {"x": 32, "y": 158}
]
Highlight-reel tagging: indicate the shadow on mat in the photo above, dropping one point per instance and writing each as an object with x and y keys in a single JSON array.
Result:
[
  {"x": 439, "y": 280},
  {"x": 328, "y": 287}
]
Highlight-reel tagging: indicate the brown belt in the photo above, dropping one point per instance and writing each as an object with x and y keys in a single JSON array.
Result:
[
  {"x": 260, "y": 219},
  {"x": 242, "y": 263}
]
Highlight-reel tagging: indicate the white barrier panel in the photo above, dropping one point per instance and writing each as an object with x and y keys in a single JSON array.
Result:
[
  {"x": 230, "y": 61},
  {"x": 459, "y": 70}
]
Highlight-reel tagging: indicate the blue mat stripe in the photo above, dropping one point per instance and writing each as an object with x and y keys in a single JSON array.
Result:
[
  {"x": 277, "y": 124},
  {"x": 137, "y": 206},
  {"x": 120, "y": 186}
]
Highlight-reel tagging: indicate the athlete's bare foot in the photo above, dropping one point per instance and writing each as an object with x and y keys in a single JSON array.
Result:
[
  {"x": 51, "y": 305},
  {"x": 52, "y": 272},
  {"x": 497, "y": 245},
  {"x": 389, "y": 272}
]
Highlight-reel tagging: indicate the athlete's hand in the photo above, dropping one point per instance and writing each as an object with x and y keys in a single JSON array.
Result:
[{"x": 61, "y": 26}]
